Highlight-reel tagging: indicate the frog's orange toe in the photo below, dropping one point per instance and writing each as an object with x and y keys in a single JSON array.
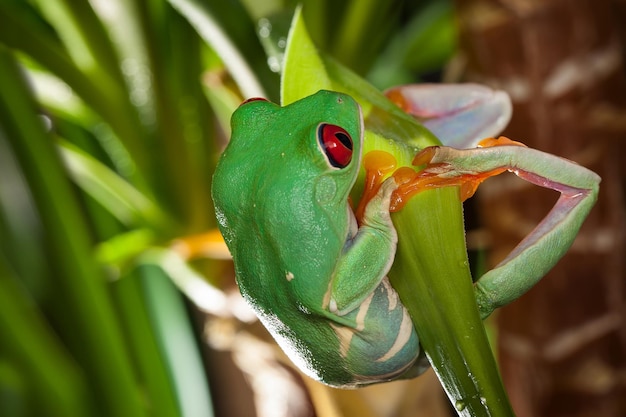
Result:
[
  {"x": 501, "y": 141},
  {"x": 425, "y": 156}
]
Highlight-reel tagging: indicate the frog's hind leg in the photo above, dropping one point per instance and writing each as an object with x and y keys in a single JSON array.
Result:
[
  {"x": 538, "y": 252},
  {"x": 382, "y": 343}
]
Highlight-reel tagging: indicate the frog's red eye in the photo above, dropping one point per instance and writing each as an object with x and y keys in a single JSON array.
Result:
[
  {"x": 253, "y": 99},
  {"x": 336, "y": 144}
]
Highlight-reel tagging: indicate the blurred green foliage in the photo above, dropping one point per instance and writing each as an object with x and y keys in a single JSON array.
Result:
[{"x": 112, "y": 116}]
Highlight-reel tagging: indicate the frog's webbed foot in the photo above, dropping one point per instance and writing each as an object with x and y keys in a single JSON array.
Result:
[
  {"x": 538, "y": 252},
  {"x": 447, "y": 167}
]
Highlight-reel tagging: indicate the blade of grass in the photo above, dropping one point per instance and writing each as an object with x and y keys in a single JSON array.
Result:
[
  {"x": 19, "y": 224},
  {"x": 53, "y": 384},
  {"x": 176, "y": 337},
  {"x": 23, "y": 32},
  {"x": 118, "y": 196},
  {"x": 84, "y": 38},
  {"x": 79, "y": 305},
  {"x": 425, "y": 44},
  {"x": 184, "y": 135},
  {"x": 364, "y": 25},
  {"x": 150, "y": 362},
  {"x": 227, "y": 28}
]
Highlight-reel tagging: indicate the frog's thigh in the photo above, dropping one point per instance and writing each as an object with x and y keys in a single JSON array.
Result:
[{"x": 383, "y": 341}]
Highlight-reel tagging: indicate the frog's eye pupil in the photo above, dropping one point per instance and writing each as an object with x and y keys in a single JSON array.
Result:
[{"x": 336, "y": 144}]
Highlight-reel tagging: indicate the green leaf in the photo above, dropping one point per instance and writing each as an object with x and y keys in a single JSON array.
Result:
[
  {"x": 80, "y": 301},
  {"x": 304, "y": 72},
  {"x": 144, "y": 334},
  {"x": 432, "y": 276},
  {"x": 175, "y": 336},
  {"x": 227, "y": 28},
  {"x": 105, "y": 95},
  {"x": 49, "y": 381},
  {"x": 425, "y": 44},
  {"x": 119, "y": 197},
  {"x": 363, "y": 28}
]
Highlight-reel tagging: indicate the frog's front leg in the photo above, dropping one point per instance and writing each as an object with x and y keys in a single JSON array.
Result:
[
  {"x": 538, "y": 252},
  {"x": 376, "y": 334}
]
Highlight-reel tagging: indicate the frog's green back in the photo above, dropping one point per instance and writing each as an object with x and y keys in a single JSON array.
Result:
[{"x": 283, "y": 212}]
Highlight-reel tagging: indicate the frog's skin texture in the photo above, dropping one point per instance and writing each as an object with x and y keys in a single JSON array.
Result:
[{"x": 316, "y": 280}]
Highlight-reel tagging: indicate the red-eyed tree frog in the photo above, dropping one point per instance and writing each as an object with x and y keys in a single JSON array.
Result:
[{"x": 315, "y": 272}]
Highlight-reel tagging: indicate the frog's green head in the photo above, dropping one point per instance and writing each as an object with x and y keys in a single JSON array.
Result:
[{"x": 291, "y": 166}]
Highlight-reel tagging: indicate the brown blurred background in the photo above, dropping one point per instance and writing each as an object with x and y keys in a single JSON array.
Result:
[{"x": 562, "y": 63}]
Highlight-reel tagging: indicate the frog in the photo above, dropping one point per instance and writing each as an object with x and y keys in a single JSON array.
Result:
[
  {"x": 307, "y": 295},
  {"x": 314, "y": 269}
]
